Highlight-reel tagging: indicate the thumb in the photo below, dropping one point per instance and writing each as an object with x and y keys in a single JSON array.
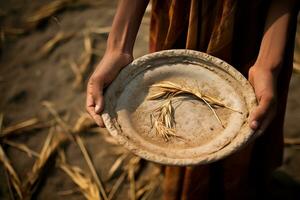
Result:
[
  {"x": 261, "y": 112},
  {"x": 94, "y": 101},
  {"x": 98, "y": 99}
]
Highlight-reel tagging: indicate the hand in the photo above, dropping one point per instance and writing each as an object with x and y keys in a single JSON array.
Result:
[
  {"x": 263, "y": 81},
  {"x": 106, "y": 71}
]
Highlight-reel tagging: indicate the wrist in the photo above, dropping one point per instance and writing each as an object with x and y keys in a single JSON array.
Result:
[
  {"x": 114, "y": 58},
  {"x": 116, "y": 53},
  {"x": 259, "y": 69},
  {"x": 268, "y": 65}
]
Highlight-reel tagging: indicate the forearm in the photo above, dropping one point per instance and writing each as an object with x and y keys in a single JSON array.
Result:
[
  {"x": 125, "y": 25},
  {"x": 274, "y": 41}
]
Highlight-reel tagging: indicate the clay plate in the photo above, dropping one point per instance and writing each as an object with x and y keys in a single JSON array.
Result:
[{"x": 203, "y": 139}]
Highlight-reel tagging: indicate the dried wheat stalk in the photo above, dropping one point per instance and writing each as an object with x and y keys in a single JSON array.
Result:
[
  {"x": 117, "y": 165},
  {"x": 51, "y": 144},
  {"x": 87, "y": 187},
  {"x": 9, "y": 186},
  {"x": 53, "y": 42},
  {"x": 22, "y": 147},
  {"x": 91, "y": 166},
  {"x": 169, "y": 89},
  {"x": 162, "y": 119},
  {"x": 132, "y": 167},
  {"x": 147, "y": 190},
  {"x": 130, "y": 170},
  {"x": 83, "y": 123},
  {"x": 292, "y": 141},
  {"x": 14, "y": 179},
  {"x": 149, "y": 184},
  {"x": 88, "y": 52},
  {"x": 68, "y": 192},
  {"x": 79, "y": 69},
  {"x": 116, "y": 185},
  {"x": 45, "y": 12},
  {"x": 76, "y": 71},
  {"x": 19, "y": 126},
  {"x": 1, "y": 122},
  {"x": 80, "y": 144}
]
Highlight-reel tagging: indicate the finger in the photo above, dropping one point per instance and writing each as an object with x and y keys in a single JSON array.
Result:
[
  {"x": 90, "y": 107},
  {"x": 261, "y": 112},
  {"x": 96, "y": 89},
  {"x": 99, "y": 101}
]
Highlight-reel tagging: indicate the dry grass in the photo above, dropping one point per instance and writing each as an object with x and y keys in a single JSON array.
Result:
[
  {"x": 164, "y": 123},
  {"x": 162, "y": 119},
  {"x": 117, "y": 185},
  {"x": 132, "y": 168},
  {"x": 14, "y": 178},
  {"x": 91, "y": 166},
  {"x": 79, "y": 69},
  {"x": 83, "y": 123},
  {"x": 116, "y": 166},
  {"x": 129, "y": 171},
  {"x": 19, "y": 126},
  {"x": 52, "y": 142},
  {"x": 53, "y": 42},
  {"x": 85, "y": 59},
  {"x": 45, "y": 12},
  {"x": 22, "y": 147},
  {"x": 167, "y": 88},
  {"x": 68, "y": 192},
  {"x": 292, "y": 141},
  {"x": 80, "y": 144},
  {"x": 86, "y": 185},
  {"x": 1, "y": 123},
  {"x": 77, "y": 73},
  {"x": 149, "y": 188}
]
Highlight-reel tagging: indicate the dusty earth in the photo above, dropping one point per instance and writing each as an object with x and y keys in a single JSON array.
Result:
[{"x": 28, "y": 77}]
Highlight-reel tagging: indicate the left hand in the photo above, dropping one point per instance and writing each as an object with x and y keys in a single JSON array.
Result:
[{"x": 263, "y": 81}]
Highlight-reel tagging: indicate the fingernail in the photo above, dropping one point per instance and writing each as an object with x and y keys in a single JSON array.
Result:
[
  {"x": 97, "y": 109},
  {"x": 254, "y": 125}
]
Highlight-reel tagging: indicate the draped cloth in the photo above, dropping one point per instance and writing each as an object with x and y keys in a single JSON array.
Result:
[{"x": 231, "y": 30}]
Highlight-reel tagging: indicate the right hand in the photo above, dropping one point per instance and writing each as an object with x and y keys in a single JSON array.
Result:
[{"x": 106, "y": 71}]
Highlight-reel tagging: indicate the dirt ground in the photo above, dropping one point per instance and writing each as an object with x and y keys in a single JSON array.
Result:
[{"x": 30, "y": 75}]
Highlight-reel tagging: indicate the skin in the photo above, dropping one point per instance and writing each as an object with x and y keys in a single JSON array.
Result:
[
  {"x": 262, "y": 75},
  {"x": 117, "y": 55}
]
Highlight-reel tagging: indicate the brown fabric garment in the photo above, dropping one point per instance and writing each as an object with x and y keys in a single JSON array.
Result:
[{"x": 231, "y": 30}]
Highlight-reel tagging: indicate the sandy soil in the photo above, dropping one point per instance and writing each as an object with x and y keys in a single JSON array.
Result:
[{"x": 27, "y": 79}]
